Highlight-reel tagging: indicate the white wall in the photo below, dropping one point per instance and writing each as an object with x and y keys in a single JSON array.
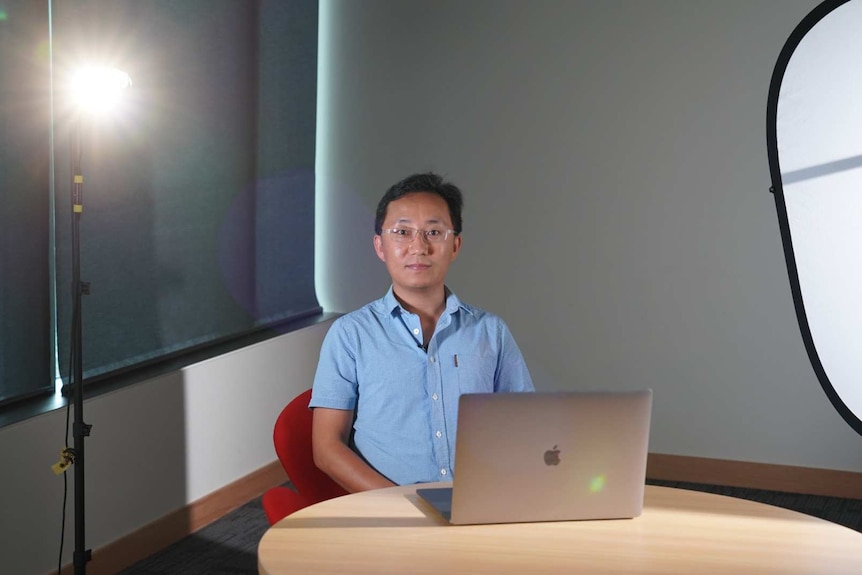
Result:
[
  {"x": 154, "y": 447},
  {"x": 614, "y": 164}
]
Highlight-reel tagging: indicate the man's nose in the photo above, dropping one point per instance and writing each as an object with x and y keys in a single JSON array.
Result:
[{"x": 420, "y": 244}]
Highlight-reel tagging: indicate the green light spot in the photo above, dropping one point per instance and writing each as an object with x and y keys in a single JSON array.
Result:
[
  {"x": 3, "y": 15},
  {"x": 597, "y": 483}
]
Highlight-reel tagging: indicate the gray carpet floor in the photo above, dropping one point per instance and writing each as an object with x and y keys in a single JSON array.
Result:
[{"x": 229, "y": 546}]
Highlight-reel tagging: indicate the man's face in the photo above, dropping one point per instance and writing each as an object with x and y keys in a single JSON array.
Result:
[{"x": 418, "y": 265}]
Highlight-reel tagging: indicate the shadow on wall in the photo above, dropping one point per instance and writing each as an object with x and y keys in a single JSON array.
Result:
[{"x": 345, "y": 224}]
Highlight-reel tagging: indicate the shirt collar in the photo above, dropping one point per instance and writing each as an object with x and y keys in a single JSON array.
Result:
[
  {"x": 390, "y": 303},
  {"x": 453, "y": 304}
]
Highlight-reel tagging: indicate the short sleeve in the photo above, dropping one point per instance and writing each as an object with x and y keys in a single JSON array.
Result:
[
  {"x": 512, "y": 373},
  {"x": 335, "y": 382}
]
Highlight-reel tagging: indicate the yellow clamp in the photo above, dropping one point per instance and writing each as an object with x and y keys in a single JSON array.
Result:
[{"x": 67, "y": 458}]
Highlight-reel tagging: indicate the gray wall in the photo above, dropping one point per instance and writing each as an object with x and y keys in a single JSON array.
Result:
[{"x": 613, "y": 159}]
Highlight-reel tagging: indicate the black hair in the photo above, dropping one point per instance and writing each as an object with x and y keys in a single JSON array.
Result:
[{"x": 430, "y": 183}]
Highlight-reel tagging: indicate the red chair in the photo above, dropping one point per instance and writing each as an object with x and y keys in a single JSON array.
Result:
[{"x": 292, "y": 439}]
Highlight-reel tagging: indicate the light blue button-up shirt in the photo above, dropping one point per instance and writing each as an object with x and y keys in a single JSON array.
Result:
[{"x": 406, "y": 399}]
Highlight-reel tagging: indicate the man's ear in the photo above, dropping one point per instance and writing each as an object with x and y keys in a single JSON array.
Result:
[
  {"x": 456, "y": 247},
  {"x": 378, "y": 247}
]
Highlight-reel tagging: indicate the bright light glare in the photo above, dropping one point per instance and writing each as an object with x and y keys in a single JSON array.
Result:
[{"x": 99, "y": 89}]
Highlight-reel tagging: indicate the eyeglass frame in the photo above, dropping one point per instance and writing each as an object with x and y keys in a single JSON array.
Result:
[{"x": 417, "y": 232}]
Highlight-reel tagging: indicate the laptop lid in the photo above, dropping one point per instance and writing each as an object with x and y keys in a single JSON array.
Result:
[{"x": 548, "y": 456}]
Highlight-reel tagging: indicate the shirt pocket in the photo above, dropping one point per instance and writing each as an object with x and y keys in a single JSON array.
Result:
[{"x": 475, "y": 372}]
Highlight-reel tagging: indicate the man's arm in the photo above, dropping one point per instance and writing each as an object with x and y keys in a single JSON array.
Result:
[{"x": 330, "y": 434}]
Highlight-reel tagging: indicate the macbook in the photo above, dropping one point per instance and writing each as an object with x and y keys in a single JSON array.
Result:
[{"x": 547, "y": 456}]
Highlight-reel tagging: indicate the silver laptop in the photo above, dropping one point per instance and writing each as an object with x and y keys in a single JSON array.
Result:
[{"x": 547, "y": 456}]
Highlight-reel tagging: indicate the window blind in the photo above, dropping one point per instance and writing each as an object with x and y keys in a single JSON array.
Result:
[{"x": 197, "y": 226}]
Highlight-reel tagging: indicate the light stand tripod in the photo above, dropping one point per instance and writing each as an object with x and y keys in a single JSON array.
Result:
[
  {"x": 96, "y": 88},
  {"x": 80, "y": 430}
]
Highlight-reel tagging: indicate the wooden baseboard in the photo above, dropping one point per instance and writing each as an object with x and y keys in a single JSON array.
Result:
[
  {"x": 163, "y": 532},
  {"x": 808, "y": 480}
]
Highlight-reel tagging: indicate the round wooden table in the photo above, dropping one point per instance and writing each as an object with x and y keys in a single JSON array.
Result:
[{"x": 391, "y": 531}]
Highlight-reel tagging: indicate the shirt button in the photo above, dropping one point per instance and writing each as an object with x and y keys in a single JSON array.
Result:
[
  {"x": 434, "y": 397},
  {"x": 442, "y": 472},
  {"x": 432, "y": 359},
  {"x": 439, "y": 434},
  {"x": 416, "y": 331}
]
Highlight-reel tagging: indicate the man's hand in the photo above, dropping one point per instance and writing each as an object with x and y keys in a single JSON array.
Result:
[{"x": 330, "y": 435}]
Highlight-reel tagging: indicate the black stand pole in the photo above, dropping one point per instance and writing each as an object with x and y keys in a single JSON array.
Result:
[{"x": 80, "y": 430}]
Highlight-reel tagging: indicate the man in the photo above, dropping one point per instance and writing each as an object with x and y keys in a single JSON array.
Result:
[{"x": 385, "y": 395}]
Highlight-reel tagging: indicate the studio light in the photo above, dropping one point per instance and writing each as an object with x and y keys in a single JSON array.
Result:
[{"x": 98, "y": 89}]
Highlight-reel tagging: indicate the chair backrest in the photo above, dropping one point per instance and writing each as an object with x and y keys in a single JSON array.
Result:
[{"x": 292, "y": 439}]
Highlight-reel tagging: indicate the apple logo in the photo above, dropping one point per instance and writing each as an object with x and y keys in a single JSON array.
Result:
[{"x": 552, "y": 456}]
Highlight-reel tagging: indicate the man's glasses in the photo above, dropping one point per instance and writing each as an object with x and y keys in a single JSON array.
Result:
[{"x": 404, "y": 235}]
